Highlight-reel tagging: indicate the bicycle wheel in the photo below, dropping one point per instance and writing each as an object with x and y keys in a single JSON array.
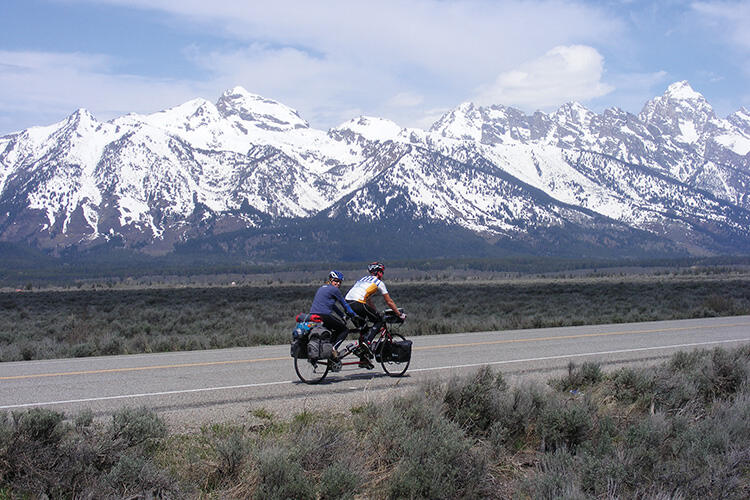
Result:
[
  {"x": 311, "y": 372},
  {"x": 394, "y": 368}
]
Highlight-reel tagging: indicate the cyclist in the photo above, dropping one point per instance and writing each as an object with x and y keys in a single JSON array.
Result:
[
  {"x": 359, "y": 298},
  {"x": 324, "y": 305}
]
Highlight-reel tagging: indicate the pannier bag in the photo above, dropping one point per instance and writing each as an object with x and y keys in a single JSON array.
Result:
[
  {"x": 299, "y": 348},
  {"x": 319, "y": 345},
  {"x": 305, "y": 323},
  {"x": 377, "y": 350},
  {"x": 398, "y": 351}
]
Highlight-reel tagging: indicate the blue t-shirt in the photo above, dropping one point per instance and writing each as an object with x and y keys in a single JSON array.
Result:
[{"x": 325, "y": 301}]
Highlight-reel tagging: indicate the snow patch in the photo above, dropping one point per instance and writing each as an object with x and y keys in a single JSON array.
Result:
[
  {"x": 739, "y": 144},
  {"x": 688, "y": 133}
]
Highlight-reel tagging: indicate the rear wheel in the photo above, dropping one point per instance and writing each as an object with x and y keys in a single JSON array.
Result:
[
  {"x": 311, "y": 372},
  {"x": 394, "y": 368}
]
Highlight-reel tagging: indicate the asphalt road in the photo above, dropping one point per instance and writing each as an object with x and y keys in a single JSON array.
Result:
[{"x": 198, "y": 387}]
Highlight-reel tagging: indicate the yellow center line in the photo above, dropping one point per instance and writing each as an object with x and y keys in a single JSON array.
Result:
[
  {"x": 142, "y": 368},
  {"x": 421, "y": 348}
]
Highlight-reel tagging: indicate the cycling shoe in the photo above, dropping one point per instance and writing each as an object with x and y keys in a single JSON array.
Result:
[{"x": 365, "y": 363}]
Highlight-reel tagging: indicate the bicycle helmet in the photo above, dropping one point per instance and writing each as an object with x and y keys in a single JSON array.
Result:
[
  {"x": 375, "y": 267},
  {"x": 335, "y": 275}
]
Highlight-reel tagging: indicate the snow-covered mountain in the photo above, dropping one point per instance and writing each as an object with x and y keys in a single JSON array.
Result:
[{"x": 673, "y": 178}]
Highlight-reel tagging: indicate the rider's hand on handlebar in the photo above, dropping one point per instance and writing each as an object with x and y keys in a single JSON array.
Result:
[{"x": 402, "y": 316}]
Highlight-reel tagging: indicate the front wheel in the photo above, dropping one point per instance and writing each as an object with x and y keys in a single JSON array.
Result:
[
  {"x": 309, "y": 371},
  {"x": 395, "y": 368}
]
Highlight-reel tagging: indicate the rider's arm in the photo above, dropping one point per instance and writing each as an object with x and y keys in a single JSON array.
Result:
[
  {"x": 335, "y": 310},
  {"x": 346, "y": 305},
  {"x": 391, "y": 304}
]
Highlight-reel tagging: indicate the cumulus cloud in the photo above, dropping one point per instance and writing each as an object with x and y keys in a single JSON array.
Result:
[{"x": 563, "y": 74}]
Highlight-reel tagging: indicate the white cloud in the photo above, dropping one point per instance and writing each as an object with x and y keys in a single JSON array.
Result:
[
  {"x": 394, "y": 59},
  {"x": 49, "y": 86},
  {"x": 731, "y": 20},
  {"x": 563, "y": 74},
  {"x": 439, "y": 35},
  {"x": 377, "y": 55}
]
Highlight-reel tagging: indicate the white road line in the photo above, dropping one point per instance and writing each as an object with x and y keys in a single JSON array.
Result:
[
  {"x": 451, "y": 367},
  {"x": 695, "y": 344},
  {"x": 144, "y": 395}
]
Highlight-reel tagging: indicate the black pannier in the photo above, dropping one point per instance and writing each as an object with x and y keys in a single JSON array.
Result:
[
  {"x": 319, "y": 344},
  {"x": 398, "y": 351},
  {"x": 377, "y": 350},
  {"x": 299, "y": 348}
]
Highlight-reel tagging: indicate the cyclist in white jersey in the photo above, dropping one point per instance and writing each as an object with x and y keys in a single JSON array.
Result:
[{"x": 360, "y": 298}]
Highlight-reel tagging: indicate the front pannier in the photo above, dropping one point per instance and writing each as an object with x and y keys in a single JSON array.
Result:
[
  {"x": 398, "y": 351},
  {"x": 319, "y": 345}
]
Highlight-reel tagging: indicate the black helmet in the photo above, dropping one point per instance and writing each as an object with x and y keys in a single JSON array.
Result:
[
  {"x": 335, "y": 276},
  {"x": 375, "y": 267}
]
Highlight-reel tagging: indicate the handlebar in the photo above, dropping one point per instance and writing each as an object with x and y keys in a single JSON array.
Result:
[{"x": 392, "y": 317}]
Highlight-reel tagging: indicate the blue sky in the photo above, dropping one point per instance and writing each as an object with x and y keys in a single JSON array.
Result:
[{"x": 335, "y": 60}]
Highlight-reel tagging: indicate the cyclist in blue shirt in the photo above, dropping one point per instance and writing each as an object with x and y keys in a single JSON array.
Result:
[{"x": 324, "y": 305}]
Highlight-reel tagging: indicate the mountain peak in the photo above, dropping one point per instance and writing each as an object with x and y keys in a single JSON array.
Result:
[
  {"x": 372, "y": 128},
  {"x": 266, "y": 113},
  {"x": 81, "y": 118},
  {"x": 671, "y": 112},
  {"x": 463, "y": 122},
  {"x": 82, "y": 113},
  {"x": 237, "y": 91},
  {"x": 682, "y": 91},
  {"x": 574, "y": 111}
]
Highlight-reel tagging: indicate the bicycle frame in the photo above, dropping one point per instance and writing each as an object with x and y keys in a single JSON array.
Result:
[{"x": 383, "y": 333}]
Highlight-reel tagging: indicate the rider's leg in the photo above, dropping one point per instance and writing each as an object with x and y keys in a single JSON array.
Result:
[
  {"x": 369, "y": 314},
  {"x": 337, "y": 328},
  {"x": 365, "y": 335},
  {"x": 373, "y": 331}
]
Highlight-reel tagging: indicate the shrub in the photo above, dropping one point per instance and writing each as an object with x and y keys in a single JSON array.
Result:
[
  {"x": 339, "y": 480},
  {"x": 39, "y": 425},
  {"x": 137, "y": 426},
  {"x": 643, "y": 442},
  {"x": 426, "y": 454},
  {"x": 721, "y": 375},
  {"x": 474, "y": 402},
  {"x": 231, "y": 450},
  {"x": 556, "y": 477},
  {"x": 631, "y": 385},
  {"x": 322, "y": 443},
  {"x": 518, "y": 411},
  {"x": 565, "y": 423},
  {"x": 30, "y": 443},
  {"x": 577, "y": 377},
  {"x": 135, "y": 476},
  {"x": 280, "y": 476}
]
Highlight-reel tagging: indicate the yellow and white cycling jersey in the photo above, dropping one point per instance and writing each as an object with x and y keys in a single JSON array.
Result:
[{"x": 365, "y": 287}]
